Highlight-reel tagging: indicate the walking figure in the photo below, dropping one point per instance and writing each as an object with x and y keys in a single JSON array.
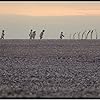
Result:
[
  {"x": 34, "y": 34},
  {"x": 91, "y": 33},
  {"x": 2, "y": 36},
  {"x": 74, "y": 35},
  {"x": 30, "y": 35},
  {"x": 41, "y": 34},
  {"x": 79, "y": 35},
  {"x": 83, "y": 34},
  {"x": 61, "y": 35},
  {"x": 88, "y": 34}
]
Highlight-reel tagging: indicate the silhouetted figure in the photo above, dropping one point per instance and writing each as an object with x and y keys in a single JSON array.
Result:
[
  {"x": 88, "y": 34},
  {"x": 41, "y": 34},
  {"x": 74, "y": 35},
  {"x": 83, "y": 34},
  {"x": 79, "y": 35},
  {"x": 96, "y": 34},
  {"x": 34, "y": 34},
  {"x": 61, "y": 35},
  {"x": 91, "y": 33},
  {"x": 2, "y": 35},
  {"x": 30, "y": 35}
]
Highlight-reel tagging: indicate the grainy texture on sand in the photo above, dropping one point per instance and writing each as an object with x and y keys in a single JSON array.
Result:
[{"x": 50, "y": 68}]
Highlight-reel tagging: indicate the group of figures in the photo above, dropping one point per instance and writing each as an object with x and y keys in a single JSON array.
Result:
[
  {"x": 32, "y": 34},
  {"x": 85, "y": 34}
]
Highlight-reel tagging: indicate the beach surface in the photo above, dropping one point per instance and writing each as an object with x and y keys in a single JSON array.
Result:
[{"x": 49, "y": 68}]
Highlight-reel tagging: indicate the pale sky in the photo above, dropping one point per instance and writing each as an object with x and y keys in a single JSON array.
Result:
[
  {"x": 17, "y": 18},
  {"x": 50, "y": 9}
]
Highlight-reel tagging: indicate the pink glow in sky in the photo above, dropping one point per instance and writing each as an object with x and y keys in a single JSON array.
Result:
[{"x": 50, "y": 9}]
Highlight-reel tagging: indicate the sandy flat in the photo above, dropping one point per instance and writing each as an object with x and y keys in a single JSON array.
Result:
[{"x": 50, "y": 68}]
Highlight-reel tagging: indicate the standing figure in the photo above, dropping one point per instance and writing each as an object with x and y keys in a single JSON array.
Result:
[
  {"x": 61, "y": 35},
  {"x": 83, "y": 34},
  {"x": 2, "y": 36},
  {"x": 87, "y": 34},
  {"x": 41, "y": 34},
  {"x": 96, "y": 34},
  {"x": 91, "y": 33},
  {"x": 30, "y": 35},
  {"x": 79, "y": 35},
  {"x": 34, "y": 34},
  {"x": 74, "y": 35}
]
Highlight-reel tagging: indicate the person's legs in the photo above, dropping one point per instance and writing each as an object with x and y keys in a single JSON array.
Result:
[
  {"x": 33, "y": 37},
  {"x": 30, "y": 37},
  {"x": 2, "y": 37},
  {"x": 40, "y": 37}
]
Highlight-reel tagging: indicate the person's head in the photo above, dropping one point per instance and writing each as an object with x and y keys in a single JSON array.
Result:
[
  {"x": 2, "y": 30},
  {"x": 61, "y": 32},
  {"x": 31, "y": 29},
  {"x": 34, "y": 31},
  {"x": 43, "y": 30}
]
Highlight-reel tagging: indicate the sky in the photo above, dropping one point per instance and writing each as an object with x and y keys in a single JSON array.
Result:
[{"x": 17, "y": 18}]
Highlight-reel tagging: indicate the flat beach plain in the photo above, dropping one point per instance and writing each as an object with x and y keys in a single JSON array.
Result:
[{"x": 50, "y": 68}]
